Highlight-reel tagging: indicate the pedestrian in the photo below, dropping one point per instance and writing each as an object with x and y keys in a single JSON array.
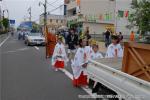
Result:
[
  {"x": 19, "y": 35},
  {"x": 59, "y": 58},
  {"x": 72, "y": 41},
  {"x": 79, "y": 65},
  {"x": 12, "y": 33},
  {"x": 120, "y": 36},
  {"x": 114, "y": 49},
  {"x": 66, "y": 33},
  {"x": 132, "y": 36},
  {"x": 87, "y": 36},
  {"x": 50, "y": 43},
  {"x": 107, "y": 38}
]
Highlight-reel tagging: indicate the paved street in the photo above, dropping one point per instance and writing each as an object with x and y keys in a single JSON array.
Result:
[{"x": 27, "y": 75}]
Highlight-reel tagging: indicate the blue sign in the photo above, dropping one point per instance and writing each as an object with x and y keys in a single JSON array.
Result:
[
  {"x": 12, "y": 21},
  {"x": 27, "y": 25}
]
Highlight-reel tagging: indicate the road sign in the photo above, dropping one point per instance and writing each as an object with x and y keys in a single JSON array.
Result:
[{"x": 12, "y": 21}]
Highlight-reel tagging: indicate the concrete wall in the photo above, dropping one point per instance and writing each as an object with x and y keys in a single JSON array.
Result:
[
  {"x": 95, "y": 28},
  {"x": 95, "y": 7}
]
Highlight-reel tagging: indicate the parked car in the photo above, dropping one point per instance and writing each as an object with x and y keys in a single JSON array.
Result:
[{"x": 34, "y": 39}]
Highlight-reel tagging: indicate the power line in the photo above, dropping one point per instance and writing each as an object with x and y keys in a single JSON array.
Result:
[
  {"x": 54, "y": 2},
  {"x": 51, "y": 4},
  {"x": 56, "y": 8}
]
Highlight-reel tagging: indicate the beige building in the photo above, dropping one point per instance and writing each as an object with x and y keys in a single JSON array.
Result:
[
  {"x": 54, "y": 22},
  {"x": 97, "y": 15}
]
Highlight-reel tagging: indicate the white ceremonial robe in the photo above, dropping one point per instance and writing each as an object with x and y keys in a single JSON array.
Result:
[
  {"x": 96, "y": 55},
  {"x": 59, "y": 54},
  {"x": 114, "y": 51},
  {"x": 77, "y": 63},
  {"x": 88, "y": 51}
]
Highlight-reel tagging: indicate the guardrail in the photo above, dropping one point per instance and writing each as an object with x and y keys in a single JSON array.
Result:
[{"x": 122, "y": 83}]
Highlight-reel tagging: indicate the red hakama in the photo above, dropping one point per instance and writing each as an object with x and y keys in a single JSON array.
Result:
[
  {"x": 81, "y": 81},
  {"x": 59, "y": 64}
]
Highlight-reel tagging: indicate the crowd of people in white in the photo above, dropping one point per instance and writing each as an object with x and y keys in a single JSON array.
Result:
[{"x": 86, "y": 49}]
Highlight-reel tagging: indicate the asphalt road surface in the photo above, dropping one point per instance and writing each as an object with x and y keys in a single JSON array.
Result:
[{"x": 27, "y": 75}]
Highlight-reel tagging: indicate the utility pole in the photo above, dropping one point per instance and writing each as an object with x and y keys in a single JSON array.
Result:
[
  {"x": 29, "y": 10},
  {"x": 45, "y": 12},
  {"x": 45, "y": 23}
]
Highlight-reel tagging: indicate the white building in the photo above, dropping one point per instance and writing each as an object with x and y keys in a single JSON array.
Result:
[
  {"x": 98, "y": 15},
  {"x": 53, "y": 21}
]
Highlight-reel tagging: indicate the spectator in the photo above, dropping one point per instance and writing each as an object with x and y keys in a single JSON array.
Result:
[
  {"x": 120, "y": 36},
  {"x": 72, "y": 41},
  {"x": 132, "y": 36},
  {"x": 107, "y": 38},
  {"x": 114, "y": 49},
  {"x": 87, "y": 36}
]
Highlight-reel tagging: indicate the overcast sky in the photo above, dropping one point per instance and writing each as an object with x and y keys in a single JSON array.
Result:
[{"x": 18, "y": 8}]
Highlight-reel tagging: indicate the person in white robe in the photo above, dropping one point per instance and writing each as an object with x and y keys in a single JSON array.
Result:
[
  {"x": 88, "y": 48},
  {"x": 95, "y": 55},
  {"x": 79, "y": 65},
  {"x": 114, "y": 49},
  {"x": 59, "y": 58}
]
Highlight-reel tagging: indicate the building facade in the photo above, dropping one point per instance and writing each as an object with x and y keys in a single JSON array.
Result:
[
  {"x": 54, "y": 22},
  {"x": 98, "y": 15}
]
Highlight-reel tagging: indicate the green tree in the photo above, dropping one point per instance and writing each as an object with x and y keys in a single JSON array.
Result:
[
  {"x": 140, "y": 16},
  {"x": 35, "y": 26},
  {"x": 5, "y": 22}
]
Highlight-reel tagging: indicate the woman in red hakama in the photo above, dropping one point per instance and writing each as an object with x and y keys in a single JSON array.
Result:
[
  {"x": 79, "y": 65},
  {"x": 59, "y": 57}
]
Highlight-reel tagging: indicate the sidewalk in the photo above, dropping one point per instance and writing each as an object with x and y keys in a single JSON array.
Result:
[{"x": 2, "y": 37}]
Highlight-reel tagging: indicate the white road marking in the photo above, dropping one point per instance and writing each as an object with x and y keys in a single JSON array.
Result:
[
  {"x": 15, "y": 39},
  {"x": 67, "y": 73},
  {"x": 4, "y": 41},
  {"x": 37, "y": 48},
  {"x": 87, "y": 90},
  {"x": 22, "y": 49}
]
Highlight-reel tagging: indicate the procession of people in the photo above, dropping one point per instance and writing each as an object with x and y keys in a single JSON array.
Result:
[{"x": 78, "y": 50}]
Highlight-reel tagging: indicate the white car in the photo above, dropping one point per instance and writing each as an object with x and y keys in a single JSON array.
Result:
[{"x": 34, "y": 39}]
